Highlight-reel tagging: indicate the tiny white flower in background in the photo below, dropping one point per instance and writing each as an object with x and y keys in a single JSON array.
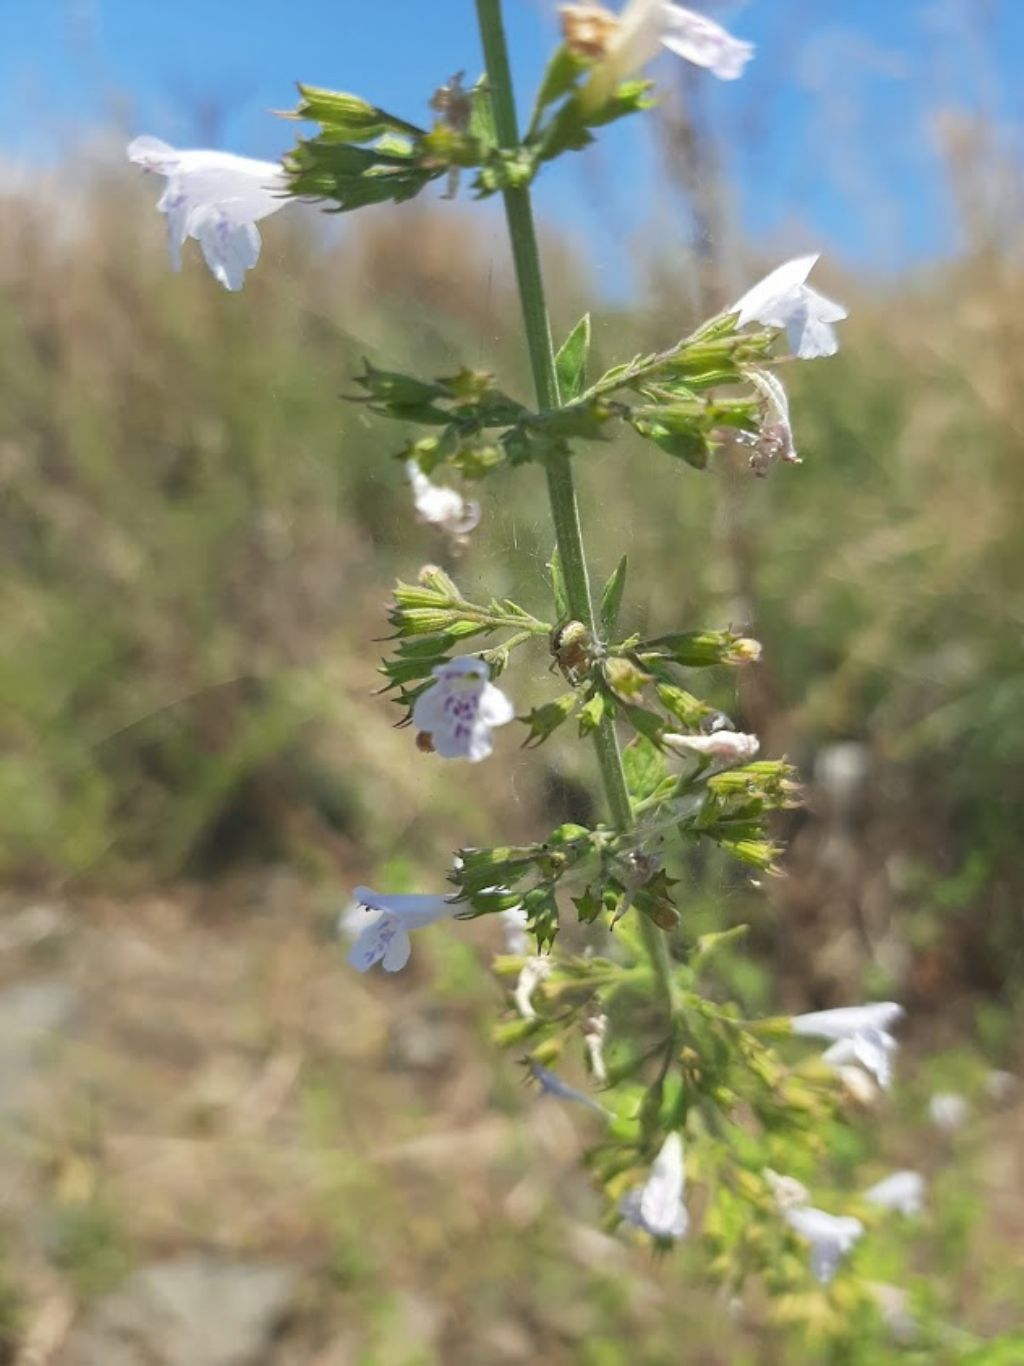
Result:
[
  {"x": 902, "y": 1191},
  {"x": 595, "y": 1030},
  {"x": 949, "y": 1111},
  {"x": 553, "y": 1085},
  {"x": 657, "y": 1206},
  {"x": 860, "y": 1034},
  {"x": 727, "y": 746},
  {"x": 385, "y": 940},
  {"x": 217, "y": 198},
  {"x": 534, "y": 971},
  {"x": 831, "y": 1237},
  {"x": 787, "y": 1190},
  {"x": 785, "y": 300},
  {"x": 440, "y": 506},
  {"x": 774, "y": 442},
  {"x": 514, "y": 923},
  {"x": 460, "y": 708}
]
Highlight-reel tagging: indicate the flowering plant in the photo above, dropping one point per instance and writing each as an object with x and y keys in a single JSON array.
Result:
[{"x": 683, "y": 1091}]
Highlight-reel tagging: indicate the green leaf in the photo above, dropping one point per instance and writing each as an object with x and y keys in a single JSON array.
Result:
[
  {"x": 611, "y": 600},
  {"x": 541, "y": 915},
  {"x": 571, "y": 361},
  {"x": 558, "y": 585},
  {"x": 644, "y": 766}
]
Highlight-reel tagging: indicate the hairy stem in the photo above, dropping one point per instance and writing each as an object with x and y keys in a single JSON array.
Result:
[{"x": 561, "y": 488}]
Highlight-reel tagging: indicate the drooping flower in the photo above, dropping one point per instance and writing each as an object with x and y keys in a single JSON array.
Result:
[
  {"x": 595, "y": 1030},
  {"x": 385, "y": 940},
  {"x": 514, "y": 926},
  {"x": 624, "y": 46},
  {"x": 553, "y": 1085},
  {"x": 534, "y": 971},
  {"x": 727, "y": 746},
  {"x": 439, "y": 506},
  {"x": 785, "y": 300},
  {"x": 831, "y": 1237},
  {"x": 217, "y": 198},
  {"x": 657, "y": 1206},
  {"x": 859, "y": 1033},
  {"x": 902, "y": 1191},
  {"x": 949, "y": 1111},
  {"x": 774, "y": 441},
  {"x": 460, "y": 709}
]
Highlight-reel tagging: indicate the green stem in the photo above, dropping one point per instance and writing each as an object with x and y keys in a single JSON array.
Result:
[{"x": 561, "y": 488}]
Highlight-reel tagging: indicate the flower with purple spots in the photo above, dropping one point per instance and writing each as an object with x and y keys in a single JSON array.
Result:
[
  {"x": 460, "y": 709},
  {"x": 386, "y": 939}
]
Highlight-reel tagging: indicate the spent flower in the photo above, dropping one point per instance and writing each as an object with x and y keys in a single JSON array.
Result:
[
  {"x": 534, "y": 971},
  {"x": 459, "y": 710},
  {"x": 215, "y": 197},
  {"x": 725, "y": 746}
]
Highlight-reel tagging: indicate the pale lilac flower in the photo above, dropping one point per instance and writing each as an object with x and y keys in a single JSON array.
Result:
[
  {"x": 385, "y": 940},
  {"x": 439, "y": 506},
  {"x": 644, "y": 26},
  {"x": 534, "y": 971},
  {"x": 514, "y": 926},
  {"x": 949, "y": 1111},
  {"x": 595, "y": 1030},
  {"x": 727, "y": 746},
  {"x": 831, "y": 1237},
  {"x": 657, "y": 1206},
  {"x": 783, "y": 299},
  {"x": 774, "y": 441},
  {"x": 460, "y": 708},
  {"x": 217, "y": 198},
  {"x": 553, "y": 1085},
  {"x": 902, "y": 1191},
  {"x": 860, "y": 1034}
]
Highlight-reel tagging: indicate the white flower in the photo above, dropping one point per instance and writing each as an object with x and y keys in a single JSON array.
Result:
[
  {"x": 459, "y": 710},
  {"x": 787, "y": 1190},
  {"x": 514, "y": 922},
  {"x": 646, "y": 25},
  {"x": 727, "y": 746},
  {"x": 860, "y": 1034},
  {"x": 534, "y": 971},
  {"x": 553, "y": 1085},
  {"x": 949, "y": 1111},
  {"x": 830, "y": 1235},
  {"x": 657, "y": 1206},
  {"x": 774, "y": 441},
  {"x": 386, "y": 939},
  {"x": 217, "y": 198},
  {"x": 902, "y": 1191},
  {"x": 595, "y": 1029},
  {"x": 783, "y": 299},
  {"x": 440, "y": 506}
]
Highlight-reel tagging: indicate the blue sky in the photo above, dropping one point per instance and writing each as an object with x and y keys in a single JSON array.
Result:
[{"x": 831, "y": 136}]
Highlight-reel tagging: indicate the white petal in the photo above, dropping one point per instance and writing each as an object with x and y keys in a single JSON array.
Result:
[
  {"x": 413, "y": 911},
  {"x": 372, "y": 943},
  {"x": 230, "y": 248},
  {"x": 495, "y": 707},
  {"x": 513, "y": 923},
  {"x": 902, "y": 1191},
  {"x": 845, "y": 1021},
  {"x": 725, "y": 745},
  {"x": 701, "y": 41},
  {"x": 152, "y": 154},
  {"x": 831, "y": 1236},
  {"x": 763, "y": 301},
  {"x": 478, "y": 745},
  {"x": 808, "y": 335},
  {"x": 428, "y": 709},
  {"x": 660, "y": 1201}
]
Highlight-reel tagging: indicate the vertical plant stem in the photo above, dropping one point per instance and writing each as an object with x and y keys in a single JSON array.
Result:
[{"x": 561, "y": 488}]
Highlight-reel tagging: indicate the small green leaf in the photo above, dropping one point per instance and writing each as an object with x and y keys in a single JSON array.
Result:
[
  {"x": 558, "y": 585},
  {"x": 571, "y": 361},
  {"x": 611, "y": 600},
  {"x": 644, "y": 767}
]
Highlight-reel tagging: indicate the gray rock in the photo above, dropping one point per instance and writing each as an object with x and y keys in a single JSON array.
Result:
[{"x": 191, "y": 1312}]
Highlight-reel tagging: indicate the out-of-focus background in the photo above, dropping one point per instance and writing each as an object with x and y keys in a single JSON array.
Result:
[{"x": 205, "y": 1116}]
